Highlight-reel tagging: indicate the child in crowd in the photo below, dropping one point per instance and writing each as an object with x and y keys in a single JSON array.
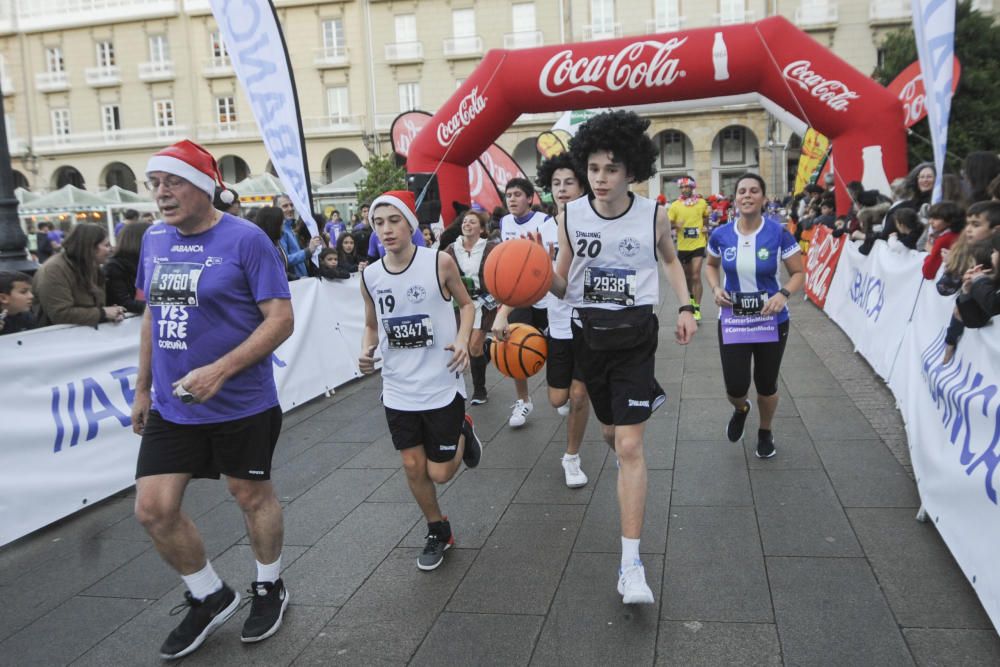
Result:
[
  {"x": 329, "y": 265},
  {"x": 15, "y": 302},
  {"x": 980, "y": 297},
  {"x": 946, "y": 220},
  {"x": 347, "y": 253},
  {"x": 908, "y": 230}
]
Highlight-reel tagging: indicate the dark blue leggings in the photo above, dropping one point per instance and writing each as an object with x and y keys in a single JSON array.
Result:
[{"x": 766, "y": 364}]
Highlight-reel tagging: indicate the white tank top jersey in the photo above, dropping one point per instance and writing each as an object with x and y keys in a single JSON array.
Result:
[
  {"x": 510, "y": 229},
  {"x": 415, "y": 322},
  {"x": 614, "y": 259},
  {"x": 560, "y": 312}
]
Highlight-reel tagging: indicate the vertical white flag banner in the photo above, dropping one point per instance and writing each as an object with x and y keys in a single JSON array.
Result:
[
  {"x": 256, "y": 46},
  {"x": 934, "y": 29}
]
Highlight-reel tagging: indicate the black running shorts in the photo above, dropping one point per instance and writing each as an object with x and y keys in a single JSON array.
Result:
[
  {"x": 436, "y": 430},
  {"x": 621, "y": 383},
  {"x": 241, "y": 448},
  {"x": 561, "y": 367},
  {"x": 687, "y": 255},
  {"x": 536, "y": 317}
]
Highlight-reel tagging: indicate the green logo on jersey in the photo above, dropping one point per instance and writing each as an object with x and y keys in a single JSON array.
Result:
[{"x": 763, "y": 254}]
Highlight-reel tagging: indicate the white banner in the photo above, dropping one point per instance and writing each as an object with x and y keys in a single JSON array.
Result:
[
  {"x": 67, "y": 430},
  {"x": 871, "y": 299},
  {"x": 934, "y": 30},
  {"x": 952, "y": 416},
  {"x": 256, "y": 47}
]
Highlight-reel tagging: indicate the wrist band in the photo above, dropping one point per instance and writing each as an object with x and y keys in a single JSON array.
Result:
[{"x": 686, "y": 309}]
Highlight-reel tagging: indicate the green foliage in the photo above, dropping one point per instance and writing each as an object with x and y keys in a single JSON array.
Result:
[
  {"x": 383, "y": 175},
  {"x": 975, "y": 109}
]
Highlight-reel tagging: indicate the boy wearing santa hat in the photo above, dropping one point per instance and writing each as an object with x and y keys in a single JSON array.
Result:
[{"x": 410, "y": 327}]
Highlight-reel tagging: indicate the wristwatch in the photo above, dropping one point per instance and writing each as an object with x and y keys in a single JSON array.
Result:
[{"x": 785, "y": 292}]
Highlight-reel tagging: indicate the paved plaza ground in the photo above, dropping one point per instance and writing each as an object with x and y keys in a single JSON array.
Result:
[{"x": 810, "y": 558}]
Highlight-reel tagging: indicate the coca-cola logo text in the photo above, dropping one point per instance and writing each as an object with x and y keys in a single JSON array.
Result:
[
  {"x": 835, "y": 94},
  {"x": 471, "y": 106},
  {"x": 407, "y": 135},
  {"x": 913, "y": 96},
  {"x": 631, "y": 68},
  {"x": 500, "y": 175}
]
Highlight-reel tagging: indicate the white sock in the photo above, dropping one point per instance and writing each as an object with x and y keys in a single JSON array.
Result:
[
  {"x": 269, "y": 573},
  {"x": 571, "y": 457},
  {"x": 203, "y": 583},
  {"x": 630, "y": 552}
]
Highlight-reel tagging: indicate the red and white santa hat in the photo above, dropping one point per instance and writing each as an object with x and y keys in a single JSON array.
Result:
[
  {"x": 191, "y": 162},
  {"x": 404, "y": 200}
]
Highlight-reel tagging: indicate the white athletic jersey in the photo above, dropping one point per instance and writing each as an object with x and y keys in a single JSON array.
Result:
[
  {"x": 614, "y": 259},
  {"x": 560, "y": 312},
  {"x": 511, "y": 229},
  {"x": 415, "y": 322}
]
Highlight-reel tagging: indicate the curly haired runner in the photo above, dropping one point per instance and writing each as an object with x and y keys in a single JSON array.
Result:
[
  {"x": 566, "y": 181},
  {"x": 609, "y": 244}
]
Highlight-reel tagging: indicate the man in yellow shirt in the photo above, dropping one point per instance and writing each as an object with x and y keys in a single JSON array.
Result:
[{"x": 689, "y": 215}]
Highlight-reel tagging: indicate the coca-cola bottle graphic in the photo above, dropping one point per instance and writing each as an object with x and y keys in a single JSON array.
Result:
[
  {"x": 873, "y": 177},
  {"x": 720, "y": 58}
]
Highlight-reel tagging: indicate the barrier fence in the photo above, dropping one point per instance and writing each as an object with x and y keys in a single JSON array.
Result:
[
  {"x": 897, "y": 322},
  {"x": 67, "y": 394}
]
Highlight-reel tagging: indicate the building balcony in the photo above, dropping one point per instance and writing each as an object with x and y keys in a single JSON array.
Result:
[
  {"x": 51, "y": 82},
  {"x": 889, "y": 11},
  {"x": 816, "y": 15},
  {"x": 105, "y": 75},
  {"x": 197, "y": 7},
  {"x": 463, "y": 47},
  {"x": 525, "y": 39},
  {"x": 596, "y": 31},
  {"x": 383, "y": 121},
  {"x": 334, "y": 124},
  {"x": 228, "y": 131},
  {"x": 156, "y": 70},
  {"x": 45, "y": 15},
  {"x": 86, "y": 141},
  {"x": 401, "y": 52},
  {"x": 734, "y": 18},
  {"x": 217, "y": 67},
  {"x": 665, "y": 24},
  {"x": 328, "y": 57}
]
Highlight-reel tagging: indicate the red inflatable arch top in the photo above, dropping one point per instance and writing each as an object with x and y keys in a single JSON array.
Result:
[{"x": 772, "y": 58}]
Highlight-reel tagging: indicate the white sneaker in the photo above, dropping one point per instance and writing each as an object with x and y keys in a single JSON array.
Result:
[
  {"x": 575, "y": 478},
  {"x": 563, "y": 410},
  {"x": 520, "y": 413},
  {"x": 632, "y": 585}
]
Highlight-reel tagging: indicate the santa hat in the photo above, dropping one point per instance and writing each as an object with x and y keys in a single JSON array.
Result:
[
  {"x": 191, "y": 162},
  {"x": 404, "y": 200}
]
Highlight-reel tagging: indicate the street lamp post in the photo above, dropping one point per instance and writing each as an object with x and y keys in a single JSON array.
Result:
[{"x": 13, "y": 242}]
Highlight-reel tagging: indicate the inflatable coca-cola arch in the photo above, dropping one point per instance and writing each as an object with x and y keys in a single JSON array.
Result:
[{"x": 773, "y": 59}]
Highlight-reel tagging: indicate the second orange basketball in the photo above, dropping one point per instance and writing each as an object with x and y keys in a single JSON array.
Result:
[
  {"x": 518, "y": 273},
  {"x": 522, "y": 354}
]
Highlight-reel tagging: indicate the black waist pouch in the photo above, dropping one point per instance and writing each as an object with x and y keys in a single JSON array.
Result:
[{"x": 616, "y": 329}]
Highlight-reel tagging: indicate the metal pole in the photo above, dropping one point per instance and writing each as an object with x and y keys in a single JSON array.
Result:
[{"x": 13, "y": 241}]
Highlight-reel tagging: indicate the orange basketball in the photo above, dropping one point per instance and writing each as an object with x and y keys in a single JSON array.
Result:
[
  {"x": 518, "y": 273},
  {"x": 522, "y": 354}
]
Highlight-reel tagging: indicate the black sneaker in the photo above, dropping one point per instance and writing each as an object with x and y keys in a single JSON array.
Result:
[
  {"x": 765, "y": 445},
  {"x": 203, "y": 617},
  {"x": 478, "y": 396},
  {"x": 473, "y": 445},
  {"x": 439, "y": 540},
  {"x": 734, "y": 431},
  {"x": 267, "y": 608}
]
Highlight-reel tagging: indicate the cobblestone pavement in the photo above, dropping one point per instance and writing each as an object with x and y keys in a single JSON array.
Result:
[{"x": 810, "y": 558}]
